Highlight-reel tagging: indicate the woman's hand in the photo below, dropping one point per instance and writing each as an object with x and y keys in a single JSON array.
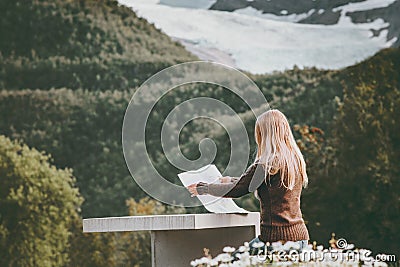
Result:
[
  {"x": 193, "y": 190},
  {"x": 225, "y": 180}
]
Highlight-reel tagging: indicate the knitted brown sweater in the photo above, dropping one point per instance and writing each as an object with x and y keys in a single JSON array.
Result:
[{"x": 281, "y": 218}]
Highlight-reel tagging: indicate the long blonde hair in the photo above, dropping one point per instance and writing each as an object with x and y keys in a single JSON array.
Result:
[{"x": 277, "y": 148}]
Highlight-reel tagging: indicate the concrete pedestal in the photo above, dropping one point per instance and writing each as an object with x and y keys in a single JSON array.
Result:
[
  {"x": 178, "y": 239},
  {"x": 178, "y": 248}
]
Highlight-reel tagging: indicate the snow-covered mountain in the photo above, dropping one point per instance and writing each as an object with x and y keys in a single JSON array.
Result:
[
  {"x": 266, "y": 35},
  {"x": 325, "y": 12}
]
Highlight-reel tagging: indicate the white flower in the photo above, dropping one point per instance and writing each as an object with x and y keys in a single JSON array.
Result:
[
  {"x": 258, "y": 244},
  {"x": 228, "y": 249},
  {"x": 224, "y": 257},
  {"x": 308, "y": 247},
  {"x": 244, "y": 255},
  {"x": 290, "y": 244},
  {"x": 243, "y": 249},
  {"x": 254, "y": 260},
  {"x": 196, "y": 262},
  {"x": 236, "y": 264},
  {"x": 203, "y": 260},
  {"x": 276, "y": 245},
  {"x": 213, "y": 262},
  {"x": 245, "y": 260},
  {"x": 246, "y": 244},
  {"x": 193, "y": 263}
]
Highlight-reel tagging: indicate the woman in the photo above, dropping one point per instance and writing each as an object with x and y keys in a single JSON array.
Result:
[{"x": 276, "y": 176}]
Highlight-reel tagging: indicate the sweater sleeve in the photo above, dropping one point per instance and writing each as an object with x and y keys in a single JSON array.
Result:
[{"x": 237, "y": 187}]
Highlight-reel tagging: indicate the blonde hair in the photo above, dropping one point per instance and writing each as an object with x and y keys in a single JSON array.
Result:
[{"x": 277, "y": 148}]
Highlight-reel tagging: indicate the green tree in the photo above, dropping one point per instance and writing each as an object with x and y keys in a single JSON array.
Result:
[
  {"x": 368, "y": 145},
  {"x": 37, "y": 205},
  {"x": 82, "y": 131}
]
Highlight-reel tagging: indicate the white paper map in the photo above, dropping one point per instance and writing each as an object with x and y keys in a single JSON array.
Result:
[{"x": 210, "y": 174}]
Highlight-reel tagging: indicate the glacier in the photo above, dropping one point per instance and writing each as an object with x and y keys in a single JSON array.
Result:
[{"x": 259, "y": 44}]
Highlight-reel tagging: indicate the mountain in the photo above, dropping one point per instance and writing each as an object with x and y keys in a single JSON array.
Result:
[
  {"x": 92, "y": 44},
  {"x": 324, "y": 12},
  {"x": 240, "y": 34}
]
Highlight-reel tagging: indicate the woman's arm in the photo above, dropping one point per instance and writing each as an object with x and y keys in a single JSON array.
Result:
[
  {"x": 238, "y": 186},
  {"x": 228, "y": 179}
]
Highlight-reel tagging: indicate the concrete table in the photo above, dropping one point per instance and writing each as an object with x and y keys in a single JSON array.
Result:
[{"x": 178, "y": 239}]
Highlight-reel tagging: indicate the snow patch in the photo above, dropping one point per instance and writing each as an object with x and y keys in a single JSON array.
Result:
[
  {"x": 259, "y": 45},
  {"x": 365, "y": 5},
  {"x": 377, "y": 24},
  {"x": 251, "y": 11}
]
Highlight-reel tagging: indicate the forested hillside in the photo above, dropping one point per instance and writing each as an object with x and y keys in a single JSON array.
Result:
[
  {"x": 367, "y": 143},
  {"x": 93, "y": 44},
  {"x": 82, "y": 129}
]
